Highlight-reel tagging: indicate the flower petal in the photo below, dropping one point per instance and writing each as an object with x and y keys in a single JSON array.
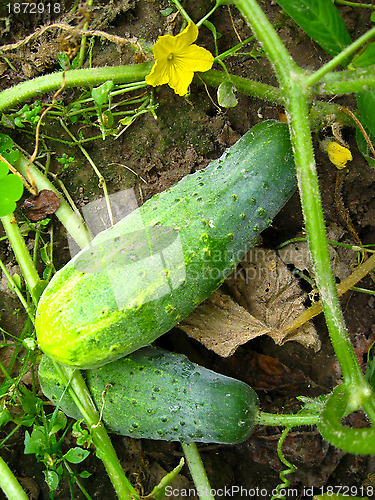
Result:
[
  {"x": 180, "y": 79},
  {"x": 195, "y": 58},
  {"x": 164, "y": 46},
  {"x": 185, "y": 38},
  {"x": 338, "y": 155},
  {"x": 159, "y": 74}
]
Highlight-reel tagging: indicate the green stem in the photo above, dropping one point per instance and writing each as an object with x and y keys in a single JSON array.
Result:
[
  {"x": 9, "y": 484},
  {"x": 197, "y": 471},
  {"x": 182, "y": 11},
  {"x": 22, "y": 254},
  {"x": 340, "y": 58},
  {"x": 217, "y": 4},
  {"x": 82, "y": 48},
  {"x": 101, "y": 181},
  {"x": 234, "y": 49},
  {"x": 315, "y": 228},
  {"x": 78, "y": 390},
  {"x": 245, "y": 85},
  {"x": 100, "y": 437},
  {"x": 292, "y": 419},
  {"x": 346, "y": 81},
  {"x": 74, "y": 78},
  {"x": 279, "y": 57},
  {"x": 342, "y": 402},
  {"x": 354, "y": 4},
  {"x": 297, "y": 94}
]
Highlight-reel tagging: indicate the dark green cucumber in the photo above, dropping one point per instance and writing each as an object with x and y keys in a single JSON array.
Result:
[
  {"x": 138, "y": 279},
  {"x": 156, "y": 394}
]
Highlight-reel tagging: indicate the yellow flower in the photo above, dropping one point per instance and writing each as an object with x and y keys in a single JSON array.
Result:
[
  {"x": 339, "y": 155},
  {"x": 177, "y": 59}
]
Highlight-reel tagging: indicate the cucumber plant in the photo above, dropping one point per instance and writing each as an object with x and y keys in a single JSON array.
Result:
[{"x": 298, "y": 90}]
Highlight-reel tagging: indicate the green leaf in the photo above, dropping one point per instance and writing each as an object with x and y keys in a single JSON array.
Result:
[
  {"x": 39, "y": 288},
  {"x": 5, "y": 417},
  {"x": 166, "y": 12},
  {"x": 321, "y": 20},
  {"x": 366, "y": 58},
  {"x": 58, "y": 421},
  {"x": 36, "y": 442},
  {"x": 8, "y": 149},
  {"x": 225, "y": 95},
  {"x": 366, "y": 108},
  {"x": 52, "y": 479},
  {"x": 4, "y": 169},
  {"x": 158, "y": 493},
  {"x": 100, "y": 94},
  {"x": 363, "y": 147},
  {"x": 11, "y": 187},
  {"x": 84, "y": 474},
  {"x": 76, "y": 455}
]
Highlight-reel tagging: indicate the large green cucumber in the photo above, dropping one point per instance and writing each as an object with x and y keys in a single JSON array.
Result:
[
  {"x": 156, "y": 394},
  {"x": 138, "y": 279}
]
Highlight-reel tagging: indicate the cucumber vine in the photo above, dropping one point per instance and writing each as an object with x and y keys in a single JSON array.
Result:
[{"x": 297, "y": 91}]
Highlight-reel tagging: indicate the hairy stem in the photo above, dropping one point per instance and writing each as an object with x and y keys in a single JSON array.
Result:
[
  {"x": 74, "y": 78},
  {"x": 297, "y": 95}
]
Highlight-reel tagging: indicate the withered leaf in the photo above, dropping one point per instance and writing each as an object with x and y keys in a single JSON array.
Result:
[
  {"x": 36, "y": 208},
  {"x": 268, "y": 298}
]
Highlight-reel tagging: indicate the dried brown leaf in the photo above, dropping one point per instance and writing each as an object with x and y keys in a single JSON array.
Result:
[
  {"x": 268, "y": 297},
  {"x": 37, "y": 208}
]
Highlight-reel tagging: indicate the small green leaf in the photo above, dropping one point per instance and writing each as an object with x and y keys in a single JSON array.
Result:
[
  {"x": 76, "y": 455},
  {"x": 5, "y": 417},
  {"x": 107, "y": 118},
  {"x": 158, "y": 493},
  {"x": 52, "y": 479},
  {"x": 366, "y": 108},
  {"x": 11, "y": 189},
  {"x": 85, "y": 474},
  {"x": 8, "y": 149},
  {"x": 321, "y": 21},
  {"x": 363, "y": 147},
  {"x": 100, "y": 94},
  {"x": 36, "y": 442},
  {"x": 365, "y": 59},
  {"x": 39, "y": 288},
  {"x": 166, "y": 12},
  {"x": 30, "y": 343},
  {"x": 225, "y": 95},
  {"x": 58, "y": 421}
]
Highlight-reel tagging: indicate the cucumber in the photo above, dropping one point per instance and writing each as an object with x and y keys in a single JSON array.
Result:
[
  {"x": 139, "y": 278},
  {"x": 156, "y": 394}
]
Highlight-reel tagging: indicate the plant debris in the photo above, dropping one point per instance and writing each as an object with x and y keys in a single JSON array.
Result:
[
  {"x": 36, "y": 208},
  {"x": 268, "y": 297}
]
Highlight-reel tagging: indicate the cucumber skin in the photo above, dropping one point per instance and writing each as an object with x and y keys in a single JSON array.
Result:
[
  {"x": 217, "y": 214},
  {"x": 156, "y": 394}
]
